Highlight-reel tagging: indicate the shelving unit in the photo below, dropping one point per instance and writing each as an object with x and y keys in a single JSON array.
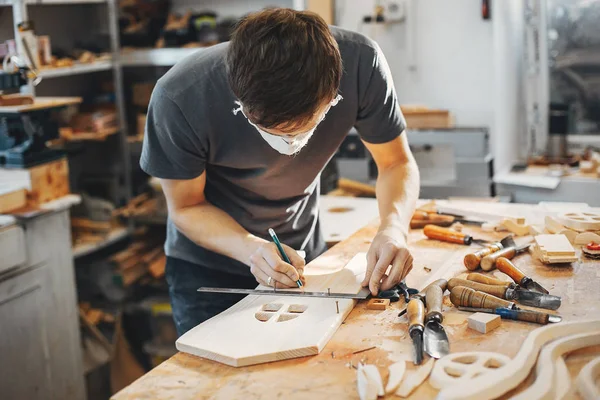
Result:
[
  {"x": 88, "y": 248},
  {"x": 77, "y": 69},
  {"x": 166, "y": 57}
]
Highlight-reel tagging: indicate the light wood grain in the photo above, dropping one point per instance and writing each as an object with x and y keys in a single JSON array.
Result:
[
  {"x": 41, "y": 103},
  {"x": 239, "y": 337},
  {"x": 484, "y": 322},
  {"x": 329, "y": 375},
  {"x": 12, "y": 199},
  {"x": 586, "y": 380}
]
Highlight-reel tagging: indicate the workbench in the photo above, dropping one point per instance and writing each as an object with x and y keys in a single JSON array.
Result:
[{"x": 382, "y": 334}]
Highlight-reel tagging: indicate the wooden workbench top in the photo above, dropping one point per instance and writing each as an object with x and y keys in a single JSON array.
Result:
[{"x": 330, "y": 375}]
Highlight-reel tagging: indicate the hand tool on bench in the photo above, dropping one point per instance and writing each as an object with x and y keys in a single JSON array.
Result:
[
  {"x": 517, "y": 315},
  {"x": 488, "y": 280},
  {"x": 450, "y": 236},
  {"x": 422, "y": 218},
  {"x": 394, "y": 293},
  {"x": 416, "y": 316},
  {"x": 473, "y": 260},
  {"x": 467, "y": 297},
  {"x": 488, "y": 262},
  {"x": 504, "y": 265},
  {"x": 434, "y": 337},
  {"x": 523, "y": 296},
  {"x": 441, "y": 283},
  {"x": 363, "y": 294}
]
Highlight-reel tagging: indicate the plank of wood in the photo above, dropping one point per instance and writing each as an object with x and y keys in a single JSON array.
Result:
[
  {"x": 41, "y": 103},
  {"x": 238, "y": 337},
  {"x": 466, "y": 209},
  {"x": 554, "y": 245},
  {"x": 484, "y": 322}
]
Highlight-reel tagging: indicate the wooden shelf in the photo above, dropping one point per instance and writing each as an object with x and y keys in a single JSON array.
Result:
[
  {"x": 88, "y": 248},
  {"x": 89, "y": 136},
  {"x": 76, "y": 69},
  {"x": 165, "y": 57}
]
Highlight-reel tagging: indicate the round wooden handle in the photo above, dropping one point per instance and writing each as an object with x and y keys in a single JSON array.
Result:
[
  {"x": 504, "y": 265},
  {"x": 416, "y": 313},
  {"x": 488, "y": 262},
  {"x": 475, "y": 277},
  {"x": 498, "y": 291},
  {"x": 473, "y": 260},
  {"x": 467, "y": 297},
  {"x": 441, "y": 283},
  {"x": 434, "y": 302},
  {"x": 536, "y": 317},
  {"x": 446, "y": 235}
]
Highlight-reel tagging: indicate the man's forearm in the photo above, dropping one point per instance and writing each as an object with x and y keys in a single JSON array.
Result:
[
  {"x": 214, "y": 229},
  {"x": 397, "y": 193}
]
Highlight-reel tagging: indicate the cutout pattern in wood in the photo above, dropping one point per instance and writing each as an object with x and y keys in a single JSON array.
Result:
[
  {"x": 460, "y": 367},
  {"x": 275, "y": 309},
  {"x": 235, "y": 337},
  {"x": 585, "y": 221},
  {"x": 491, "y": 386}
]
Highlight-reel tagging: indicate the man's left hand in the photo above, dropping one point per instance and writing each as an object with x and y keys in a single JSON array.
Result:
[{"x": 388, "y": 248}]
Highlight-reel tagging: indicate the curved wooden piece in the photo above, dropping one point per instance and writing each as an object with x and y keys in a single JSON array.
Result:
[
  {"x": 512, "y": 374},
  {"x": 587, "y": 237},
  {"x": 544, "y": 385},
  {"x": 586, "y": 379},
  {"x": 414, "y": 379},
  {"x": 552, "y": 225},
  {"x": 397, "y": 371},
  {"x": 460, "y": 367},
  {"x": 586, "y": 221}
]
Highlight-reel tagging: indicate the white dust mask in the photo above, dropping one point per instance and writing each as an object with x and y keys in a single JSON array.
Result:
[{"x": 291, "y": 144}]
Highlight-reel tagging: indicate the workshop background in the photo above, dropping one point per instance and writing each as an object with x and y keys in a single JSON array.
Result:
[{"x": 501, "y": 99}]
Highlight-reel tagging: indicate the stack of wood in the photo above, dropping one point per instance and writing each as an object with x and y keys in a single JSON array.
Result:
[
  {"x": 85, "y": 230},
  {"x": 140, "y": 258},
  {"x": 422, "y": 117},
  {"x": 144, "y": 205},
  {"x": 553, "y": 249},
  {"x": 351, "y": 188},
  {"x": 591, "y": 163},
  {"x": 95, "y": 315}
]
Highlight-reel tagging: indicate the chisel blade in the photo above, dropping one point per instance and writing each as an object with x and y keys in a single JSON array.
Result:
[
  {"x": 435, "y": 340},
  {"x": 535, "y": 299},
  {"x": 417, "y": 338},
  {"x": 536, "y": 287}
]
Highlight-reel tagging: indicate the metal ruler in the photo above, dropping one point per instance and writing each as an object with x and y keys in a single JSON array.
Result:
[{"x": 361, "y": 295}]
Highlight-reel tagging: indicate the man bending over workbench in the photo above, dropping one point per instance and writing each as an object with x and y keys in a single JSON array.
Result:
[{"x": 239, "y": 133}]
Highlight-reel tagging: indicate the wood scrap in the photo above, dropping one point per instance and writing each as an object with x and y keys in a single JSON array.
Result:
[
  {"x": 359, "y": 188},
  {"x": 587, "y": 237},
  {"x": 378, "y": 304},
  {"x": 468, "y": 211},
  {"x": 157, "y": 268},
  {"x": 535, "y": 230},
  {"x": 414, "y": 379},
  {"x": 517, "y": 229},
  {"x": 552, "y": 225},
  {"x": 374, "y": 376},
  {"x": 569, "y": 234},
  {"x": 484, "y": 322},
  {"x": 587, "y": 378},
  {"x": 491, "y": 386},
  {"x": 367, "y": 387},
  {"x": 396, "y": 373}
]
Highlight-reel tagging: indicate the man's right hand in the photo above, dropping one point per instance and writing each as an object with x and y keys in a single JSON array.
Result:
[{"x": 266, "y": 262}]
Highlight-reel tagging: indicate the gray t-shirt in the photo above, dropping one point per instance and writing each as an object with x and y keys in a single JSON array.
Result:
[{"x": 191, "y": 128}]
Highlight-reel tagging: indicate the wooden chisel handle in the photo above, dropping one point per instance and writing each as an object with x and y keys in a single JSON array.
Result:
[
  {"x": 473, "y": 260},
  {"x": 416, "y": 314},
  {"x": 504, "y": 265},
  {"x": 467, "y": 297},
  {"x": 475, "y": 277},
  {"x": 441, "y": 283},
  {"x": 498, "y": 291},
  {"x": 446, "y": 235},
  {"x": 532, "y": 316},
  {"x": 434, "y": 296},
  {"x": 488, "y": 262}
]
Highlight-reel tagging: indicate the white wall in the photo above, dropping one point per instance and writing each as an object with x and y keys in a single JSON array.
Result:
[
  {"x": 509, "y": 140},
  {"x": 453, "y": 55}
]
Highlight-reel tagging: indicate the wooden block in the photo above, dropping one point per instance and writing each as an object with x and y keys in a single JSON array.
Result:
[
  {"x": 11, "y": 199},
  {"x": 554, "y": 245},
  {"x": 517, "y": 229},
  {"x": 484, "y": 322},
  {"x": 43, "y": 182},
  {"x": 378, "y": 304}
]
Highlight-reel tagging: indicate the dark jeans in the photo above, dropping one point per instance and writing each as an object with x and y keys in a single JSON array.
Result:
[{"x": 191, "y": 307}]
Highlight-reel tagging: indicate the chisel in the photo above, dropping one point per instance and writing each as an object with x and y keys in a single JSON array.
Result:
[
  {"x": 416, "y": 316},
  {"x": 488, "y": 262},
  {"x": 434, "y": 337},
  {"x": 467, "y": 297},
  {"x": 475, "y": 277},
  {"x": 504, "y": 265},
  {"x": 450, "y": 236},
  {"x": 523, "y": 296},
  {"x": 472, "y": 261},
  {"x": 517, "y": 315}
]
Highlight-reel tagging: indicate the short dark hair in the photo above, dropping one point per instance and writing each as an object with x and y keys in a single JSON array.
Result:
[{"x": 282, "y": 65}]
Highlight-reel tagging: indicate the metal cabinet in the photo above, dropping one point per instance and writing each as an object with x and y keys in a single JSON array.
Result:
[{"x": 39, "y": 325}]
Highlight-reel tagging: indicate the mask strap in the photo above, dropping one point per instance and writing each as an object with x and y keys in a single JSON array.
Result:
[{"x": 235, "y": 111}]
